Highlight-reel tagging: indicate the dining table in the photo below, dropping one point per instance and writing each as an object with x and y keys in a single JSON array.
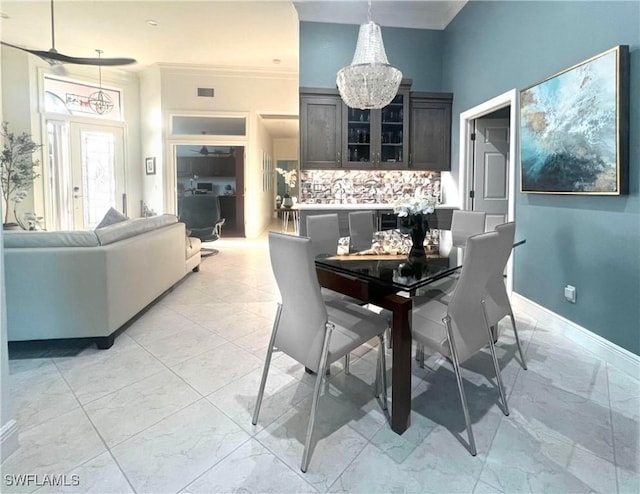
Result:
[{"x": 390, "y": 280}]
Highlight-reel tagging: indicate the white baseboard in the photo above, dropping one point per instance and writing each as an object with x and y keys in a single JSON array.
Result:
[
  {"x": 610, "y": 352},
  {"x": 8, "y": 438}
]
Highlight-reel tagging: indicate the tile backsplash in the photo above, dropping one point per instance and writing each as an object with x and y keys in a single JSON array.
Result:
[{"x": 364, "y": 186}]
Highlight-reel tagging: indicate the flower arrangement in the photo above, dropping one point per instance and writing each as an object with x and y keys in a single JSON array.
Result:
[
  {"x": 407, "y": 205},
  {"x": 412, "y": 213},
  {"x": 290, "y": 178}
]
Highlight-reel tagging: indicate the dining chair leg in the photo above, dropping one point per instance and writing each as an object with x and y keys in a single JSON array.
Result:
[
  {"x": 346, "y": 365},
  {"x": 378, "y": 388},
  {"x": 382, "y": 365},
  {"x": 496, "y": 364},
  {"x": 316, "y": 396},
  {"x": 515, "y": 332},
  {"x": 420, "y": 355},
  {"x": 267, "y": 363},
  {"x": 463, "y": 398}
]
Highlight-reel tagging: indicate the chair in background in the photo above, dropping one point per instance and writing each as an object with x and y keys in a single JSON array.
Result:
[
  {"x": 464, "y": 224},
  {"x": 497, "y": 299},
  {"x": 455, "y": 330},
  {"x": 492, "y": 221},
  {"x": 361, "y": 229},
  {"x": 201, "y": 216},
  {"x": 324, "y": 232},
  {"x": 310, "y": 331}
]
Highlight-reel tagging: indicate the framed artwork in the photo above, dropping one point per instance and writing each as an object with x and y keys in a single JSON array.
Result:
[
  {"x": 150, "y": 166},
  {"x": 574, "y": 129}
]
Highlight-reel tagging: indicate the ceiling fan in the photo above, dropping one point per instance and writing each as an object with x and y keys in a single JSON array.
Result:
[
  {"x": 54, "y": 58},
  {"x": 204, "y": 151}
]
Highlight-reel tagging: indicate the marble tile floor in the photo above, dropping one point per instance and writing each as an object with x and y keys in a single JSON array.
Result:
[{"x": 168, "y": 408}]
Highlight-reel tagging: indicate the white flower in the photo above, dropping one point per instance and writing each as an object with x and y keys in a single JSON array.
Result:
[
  {"x": 290, "y": 177},
  {"x": 407, "y": 205}
]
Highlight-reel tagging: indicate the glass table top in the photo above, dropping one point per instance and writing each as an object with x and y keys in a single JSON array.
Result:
[{"x": 387, "y": 262}]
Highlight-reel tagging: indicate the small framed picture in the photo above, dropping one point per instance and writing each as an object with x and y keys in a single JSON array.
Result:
[{"x": 150, "y": 166}]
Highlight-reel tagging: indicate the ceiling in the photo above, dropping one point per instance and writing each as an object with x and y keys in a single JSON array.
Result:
[
  {"x": 425, "y": 14},
  {"x": 259, "y": 34}
]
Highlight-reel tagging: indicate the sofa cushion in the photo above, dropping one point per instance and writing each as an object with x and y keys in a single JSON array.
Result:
[
  {"x": 131, "y": 228},
  {"x": 34, "y": 239},
  {"x": 113, "y": 216}
]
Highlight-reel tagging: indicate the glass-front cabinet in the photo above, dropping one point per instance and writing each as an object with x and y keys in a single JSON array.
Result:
[{"x": 377, "y": 138}]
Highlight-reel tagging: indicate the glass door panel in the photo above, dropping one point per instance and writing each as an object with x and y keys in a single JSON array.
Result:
[
  {"x": 359, "y": 135},
  {"x": 60, "y": 215},
  {"x": 97, "y": 173},
  {"x": 391, "y": 131}
]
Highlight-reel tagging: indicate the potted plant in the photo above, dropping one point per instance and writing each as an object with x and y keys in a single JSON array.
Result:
[
  {"x": 17, "y": 170},
  {"x": 290, "y": 180}
]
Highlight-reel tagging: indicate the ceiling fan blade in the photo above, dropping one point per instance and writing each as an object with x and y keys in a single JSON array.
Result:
[{"x": 53, "y": 55}]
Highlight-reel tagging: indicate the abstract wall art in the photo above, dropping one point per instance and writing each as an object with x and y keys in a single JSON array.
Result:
[{"x": 574, "y": 129}]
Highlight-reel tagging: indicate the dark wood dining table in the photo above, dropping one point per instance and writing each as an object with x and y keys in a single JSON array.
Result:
[
  {"x": 389, "y": 281},
  {"x": 381, "y": 280}
]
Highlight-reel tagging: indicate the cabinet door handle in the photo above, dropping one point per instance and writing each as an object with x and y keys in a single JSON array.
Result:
[
  {"x": 338, "y": 157},
  {"x": 410, "y": 158}
]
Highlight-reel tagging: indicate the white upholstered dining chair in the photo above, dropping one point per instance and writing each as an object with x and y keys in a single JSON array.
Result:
[
  {"x": 497, "y": 300},
  {"x": 361, "y": 229},
  {"x": 311, "y": 331},
  {"x": 324, "y": 232},
  {"x": 461, "y": 329},
  {"x": 465, "y": 224}
]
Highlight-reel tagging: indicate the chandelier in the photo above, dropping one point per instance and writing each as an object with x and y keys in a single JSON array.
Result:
[
  {"x": 100, "y": 102},
  {"x": 370, "y": 82}
]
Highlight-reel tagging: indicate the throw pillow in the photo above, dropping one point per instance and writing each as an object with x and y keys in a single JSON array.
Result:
[{"x": 112, "y": 216}]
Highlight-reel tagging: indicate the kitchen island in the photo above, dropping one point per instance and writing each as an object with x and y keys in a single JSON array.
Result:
[{"x": 383, "y": 213}]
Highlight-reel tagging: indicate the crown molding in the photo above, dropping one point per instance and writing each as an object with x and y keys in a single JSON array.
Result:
[{"x": 227, "y": 71}]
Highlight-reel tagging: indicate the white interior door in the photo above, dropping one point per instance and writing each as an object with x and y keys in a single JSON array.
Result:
[
  {"x": 97, "y": 173},
  {"x": 491, "y": 169}
]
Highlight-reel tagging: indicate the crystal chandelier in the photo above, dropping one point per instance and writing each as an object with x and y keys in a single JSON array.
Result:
[{"x": 369, "y": 82}]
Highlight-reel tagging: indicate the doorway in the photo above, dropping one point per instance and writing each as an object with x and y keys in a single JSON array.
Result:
[
  {"x": 87, "y": 174},
  {"x": 490, "y": 170},
  {"x": 213, "y": 170},
  {"x": 485, "y": 191}
]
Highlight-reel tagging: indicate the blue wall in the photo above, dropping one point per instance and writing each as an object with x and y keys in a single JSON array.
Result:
[
  {"x": 590, "y": 242},
  {"x": 326, "y": 48}
]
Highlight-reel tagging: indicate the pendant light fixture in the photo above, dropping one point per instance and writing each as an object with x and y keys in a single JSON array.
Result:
[
  {"x": 370, "y": 82},
  {"x": 100, "y": 102}
]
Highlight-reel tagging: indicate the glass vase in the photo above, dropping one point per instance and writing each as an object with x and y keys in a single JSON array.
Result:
[{"x": 417, "y": 226}]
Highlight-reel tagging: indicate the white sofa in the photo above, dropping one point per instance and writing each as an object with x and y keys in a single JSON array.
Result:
[{"x": 90, "y": 283}]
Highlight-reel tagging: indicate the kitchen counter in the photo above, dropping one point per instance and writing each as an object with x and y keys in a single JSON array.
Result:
[
  {"x": 350, "y": 207},
  {"x": 383, "y": 214}
]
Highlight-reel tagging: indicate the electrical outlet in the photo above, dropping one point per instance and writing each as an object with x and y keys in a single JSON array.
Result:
[{"x": 570, "y": 293}]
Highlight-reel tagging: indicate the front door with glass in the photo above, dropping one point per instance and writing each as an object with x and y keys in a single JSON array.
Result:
[{"x": 87, "y": 173}]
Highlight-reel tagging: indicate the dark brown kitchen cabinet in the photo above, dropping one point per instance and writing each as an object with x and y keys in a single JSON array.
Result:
[
  {"x": 320, "y": 129},
  {"x": 413, "y": 132},
  {"x": 430, "y": 135}
]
